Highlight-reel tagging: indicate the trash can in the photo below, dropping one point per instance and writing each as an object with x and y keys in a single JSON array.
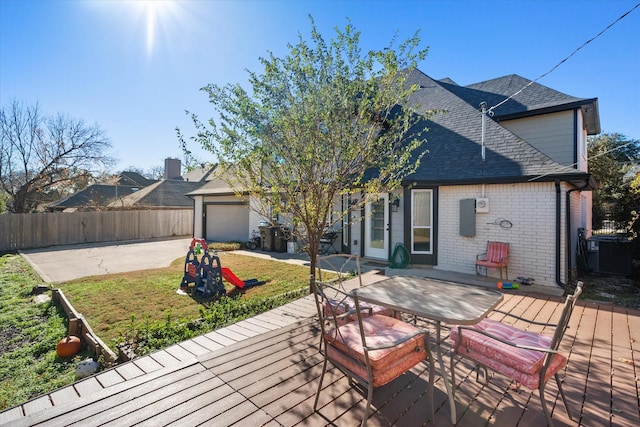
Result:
[
  {"x": 279, "y": 241},
  {"x": 266, "y": 238}
]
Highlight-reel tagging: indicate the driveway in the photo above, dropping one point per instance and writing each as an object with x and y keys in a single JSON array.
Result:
[{"x": 62, "y": 263}]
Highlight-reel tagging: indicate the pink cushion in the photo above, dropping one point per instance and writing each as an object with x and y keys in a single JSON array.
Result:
[
  {"x": 339, "y": 307},
  {"x": 345, "y": 347},
  {"x": 520, "y": 364},
  {"x": 489, "y": 264}
]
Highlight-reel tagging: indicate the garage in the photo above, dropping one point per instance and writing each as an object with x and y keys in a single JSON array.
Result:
[{"x": 226, "y": 221}]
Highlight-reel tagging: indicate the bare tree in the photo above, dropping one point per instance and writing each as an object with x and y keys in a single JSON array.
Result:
[{"x": 44, "y": 158}]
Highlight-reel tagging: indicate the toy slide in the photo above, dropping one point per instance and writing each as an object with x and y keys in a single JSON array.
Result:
[{"x": 237, "y": 282}]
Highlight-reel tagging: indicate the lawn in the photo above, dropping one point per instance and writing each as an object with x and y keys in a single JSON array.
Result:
[
  {"x": 29, "y": 330},
  {"x": 109, "y": 303}
]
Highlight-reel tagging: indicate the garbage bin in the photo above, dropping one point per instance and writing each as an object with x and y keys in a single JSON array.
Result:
[
  {"x": 279, "y": 241},
  {"x": 266, "y": 238}
]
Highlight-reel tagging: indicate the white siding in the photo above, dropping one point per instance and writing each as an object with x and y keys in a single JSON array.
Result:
[
  {"x": 356, "y": 232},
  {"x": 550, "y": 133},
  {"x": 530, "y": 208},
  {"x": 583, "y": 157},
  {"x": 397, "y": 221},
  {"x": 197, "y": 217}
]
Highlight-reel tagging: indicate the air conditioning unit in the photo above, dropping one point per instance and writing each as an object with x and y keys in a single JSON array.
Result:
[
  {"x": 608, "y": 255},
  {"x": 482, "y": 205}
]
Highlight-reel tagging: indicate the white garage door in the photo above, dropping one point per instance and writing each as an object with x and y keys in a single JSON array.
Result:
[{"x": 227, "y": 222}]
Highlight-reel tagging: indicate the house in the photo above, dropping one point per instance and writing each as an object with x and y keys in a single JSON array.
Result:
[
  {"x": 132, "y": 190},
  {"x": 164, "y": 194},
  {"x": 100, "y": 195},
  {"x": 523, "y": 180}
]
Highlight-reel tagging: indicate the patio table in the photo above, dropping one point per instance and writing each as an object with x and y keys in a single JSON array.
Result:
[{"x": 435, "y": 300}]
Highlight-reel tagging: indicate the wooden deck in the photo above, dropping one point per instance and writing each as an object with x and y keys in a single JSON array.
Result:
[{"x": 264, "y": 372}]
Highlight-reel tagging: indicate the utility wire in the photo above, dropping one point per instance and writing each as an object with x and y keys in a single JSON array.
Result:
[
  {"x": 566, "y": 58},
  {"x": 590, "y": 158}
]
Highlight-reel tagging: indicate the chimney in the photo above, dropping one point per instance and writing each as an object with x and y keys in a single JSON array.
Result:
[{"x": 172, "y": 168}]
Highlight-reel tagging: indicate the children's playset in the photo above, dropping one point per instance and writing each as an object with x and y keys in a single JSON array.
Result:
[{"x": 204, "y": 276}]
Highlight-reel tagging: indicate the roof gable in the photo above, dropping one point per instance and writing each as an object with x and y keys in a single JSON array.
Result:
[
  {"x": 527, "y": 98},
  {"x": 133, "y": 179},
  {"x": 454, "y": 142}
]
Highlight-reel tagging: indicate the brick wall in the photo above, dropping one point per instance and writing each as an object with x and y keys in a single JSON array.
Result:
[{"x": 524, "y": 215}]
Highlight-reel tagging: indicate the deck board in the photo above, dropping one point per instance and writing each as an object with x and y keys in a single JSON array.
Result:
[
  {"x": 111, "y": 376},
  {"x": 111, "y": 396},
  {"x": 270, "y": 379},
  {"x": 147, "y": 364}
]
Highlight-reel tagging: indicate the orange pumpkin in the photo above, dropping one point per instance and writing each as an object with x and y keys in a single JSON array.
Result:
[{"x": 68, "y": 346}]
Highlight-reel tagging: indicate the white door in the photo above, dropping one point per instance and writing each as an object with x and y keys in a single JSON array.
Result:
[{"x": 376, "y": 224}]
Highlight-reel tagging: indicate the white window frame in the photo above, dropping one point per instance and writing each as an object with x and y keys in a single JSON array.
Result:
[{"x": 429, "y": 226}]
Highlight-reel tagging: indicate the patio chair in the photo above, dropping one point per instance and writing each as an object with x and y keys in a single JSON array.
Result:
[
  {"x": 346, "y": 267},
  {"x": 327, "y": 241},
  {"x": 371, "y": 351},
  {"x": 496, "y": 256},
  {"x": 526, "y": 357}
]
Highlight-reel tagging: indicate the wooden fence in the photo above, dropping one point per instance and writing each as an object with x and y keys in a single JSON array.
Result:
[{"x": 39, "y": 230}]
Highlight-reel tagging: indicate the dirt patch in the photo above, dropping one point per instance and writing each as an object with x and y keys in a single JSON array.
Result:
[{"x": 619, "y": 290}]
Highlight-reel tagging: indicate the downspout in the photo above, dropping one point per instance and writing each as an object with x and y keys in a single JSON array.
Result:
[
  {"x": 558, "y": 231},
  {"x": 568, "y": 230},
  {"x": 388, "y": 206}
]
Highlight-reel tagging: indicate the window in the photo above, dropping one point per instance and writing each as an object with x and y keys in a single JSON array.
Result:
[{"x": 421, "y": 221}]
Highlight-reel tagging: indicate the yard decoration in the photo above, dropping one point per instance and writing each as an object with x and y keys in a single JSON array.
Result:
[
  {"x": 68, "y": 346},
  {"x": 87, "y": 368},
  {"x": 206, "y": 273}
]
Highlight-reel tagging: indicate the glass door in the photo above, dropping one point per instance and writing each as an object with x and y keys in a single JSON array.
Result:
[{"x": 376, "y": 221}]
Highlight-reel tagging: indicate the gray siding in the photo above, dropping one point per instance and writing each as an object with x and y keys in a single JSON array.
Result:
[{"x": 553, "y": 134}]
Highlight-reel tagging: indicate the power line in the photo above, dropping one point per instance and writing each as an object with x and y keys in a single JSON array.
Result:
[
  {"x": 632, "y": 142},
  {"x": 566, "y": 58}
]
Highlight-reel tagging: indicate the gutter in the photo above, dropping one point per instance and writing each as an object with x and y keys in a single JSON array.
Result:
[
  {"x": 558, "y": 230},
  {"x": 585, "y": 186}
]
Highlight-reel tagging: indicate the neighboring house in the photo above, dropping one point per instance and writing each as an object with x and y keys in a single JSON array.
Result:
[
  {"x": 167, "y": 193},
  {"x": 531, "y": 188},
  {"x": 132, "y": 190},
  {"x": 100, "y": 195},
  {"x": 94, "y": 196}
]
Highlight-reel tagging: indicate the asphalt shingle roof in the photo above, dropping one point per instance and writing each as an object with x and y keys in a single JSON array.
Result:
[
  {"x": 454, "y": 140},
  {"x": 93, "y": 196},
  {"x": 165, "y": 193}
]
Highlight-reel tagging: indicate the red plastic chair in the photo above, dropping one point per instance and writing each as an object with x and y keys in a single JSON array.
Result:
[{"x": 496, "y": 256}]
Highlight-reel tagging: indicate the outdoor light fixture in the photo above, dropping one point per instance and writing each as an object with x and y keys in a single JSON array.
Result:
[{"x": 395, "y": 204}]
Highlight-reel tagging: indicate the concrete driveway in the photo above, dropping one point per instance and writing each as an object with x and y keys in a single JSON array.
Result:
[{"x": 62, "y": 263}]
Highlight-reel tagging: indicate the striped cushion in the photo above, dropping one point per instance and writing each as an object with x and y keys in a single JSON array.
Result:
[
  {"x": 345, "y": 347},
  {"x": 521, "y": 364},
  {"x": 332, "y": 306}
]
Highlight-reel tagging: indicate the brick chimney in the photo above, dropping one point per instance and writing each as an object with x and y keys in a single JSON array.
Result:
[{"x": 172, "y": 168}]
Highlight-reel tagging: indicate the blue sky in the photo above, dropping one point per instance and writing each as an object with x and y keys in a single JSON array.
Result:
[{"x": 134, "y": 67}]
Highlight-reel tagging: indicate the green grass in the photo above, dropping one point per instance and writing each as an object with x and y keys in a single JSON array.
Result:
[
  {"x": 149, "y": 296},
  {"x": 142, "y": 305},
  {"x": 29, "y": 333}
]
